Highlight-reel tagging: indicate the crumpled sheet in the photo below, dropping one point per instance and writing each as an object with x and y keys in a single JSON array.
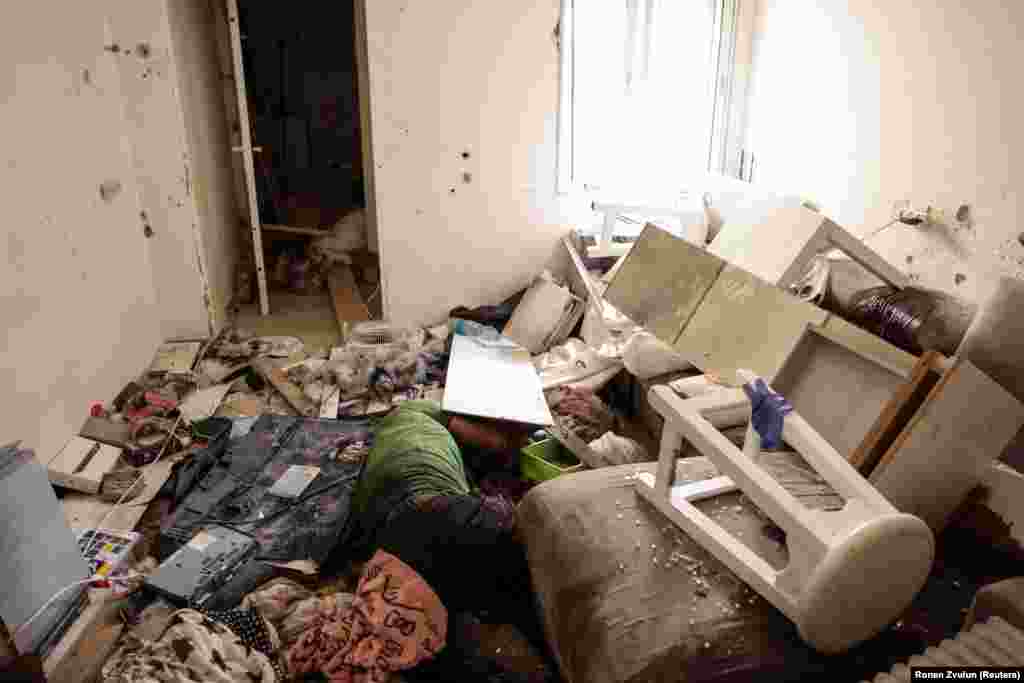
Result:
[
  {"x": 395, "y": 622},
  {"x": 193, "y": 648}
]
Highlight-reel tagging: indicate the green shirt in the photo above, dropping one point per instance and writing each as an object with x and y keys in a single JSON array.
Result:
[{"x": 413, "y": 457}]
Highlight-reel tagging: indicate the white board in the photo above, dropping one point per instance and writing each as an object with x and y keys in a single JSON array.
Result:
[{"x": 494, "y": 381}]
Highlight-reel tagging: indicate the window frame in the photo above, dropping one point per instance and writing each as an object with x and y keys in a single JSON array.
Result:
[{"x": 731, "y": 55}]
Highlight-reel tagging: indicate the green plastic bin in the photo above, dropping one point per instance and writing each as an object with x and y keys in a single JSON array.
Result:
[{"x": 547, "y": 459}]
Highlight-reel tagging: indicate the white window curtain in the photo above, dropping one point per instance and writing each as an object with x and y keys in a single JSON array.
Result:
[{"x": 642, "y": 91}]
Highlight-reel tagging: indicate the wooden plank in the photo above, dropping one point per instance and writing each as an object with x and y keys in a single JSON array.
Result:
[
  {"x": 838, "y": 391},
  {"x": 291, "y": 393},
  {"x": 662, "y": 282},
  {"x": 496, "y": 382},
  {"x": 963, "y": 425},
  {"x": 897, "y": 413},
  {"x": 83, "y": 511},
  {"x": 744, "y": 322},
  {"x": 349, "y": 306},
  {"x": 83, "y": 650},
  {"x": 295, "y": 230}
]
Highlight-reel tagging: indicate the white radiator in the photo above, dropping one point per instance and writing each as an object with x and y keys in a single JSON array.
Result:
[{"x": 993, "y": 643}]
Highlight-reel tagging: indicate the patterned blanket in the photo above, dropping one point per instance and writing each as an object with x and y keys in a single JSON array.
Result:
[{"x": 394, "y": 622}]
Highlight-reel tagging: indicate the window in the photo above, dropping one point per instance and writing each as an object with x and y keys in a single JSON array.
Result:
[{"x": 647, "y": 95}]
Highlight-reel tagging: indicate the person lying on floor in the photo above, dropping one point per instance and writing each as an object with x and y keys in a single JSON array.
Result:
[
  {"x": 416, "y": 458},
  {"x": 414, "y": 510}
]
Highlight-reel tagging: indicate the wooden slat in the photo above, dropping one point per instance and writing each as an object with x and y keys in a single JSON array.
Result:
[
  {"x": 295, "y": 230},
  {"x": 291, "y": 393},
  {"x": 897, "y": 413},
  {"x": 964, "y": 424},
  {"x": 349, "y": 306}
]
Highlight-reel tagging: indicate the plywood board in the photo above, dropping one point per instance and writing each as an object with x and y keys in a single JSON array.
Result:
[
  {"x": 349, "y": 306},
  {"x": 744, "y": 322},
  {"x": 961, "y": 428},
  {"x": 662, "y": 281},
  {"x": 497, "y": 382},
  {"x": 897, "y": 413},
  {"x": 837, "y": 390}
]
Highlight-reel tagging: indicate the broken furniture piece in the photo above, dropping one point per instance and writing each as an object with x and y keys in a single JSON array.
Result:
[
  {"x": 959, "y": 430},
  {"x": 780, "y": 248},
  {"x": 840, "y": 587},
  {"x": 717, "y": 315},
  {"x": 82, "y": 464}
]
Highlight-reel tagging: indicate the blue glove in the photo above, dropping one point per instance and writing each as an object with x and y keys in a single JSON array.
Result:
[{"x": 767, "y": 412}]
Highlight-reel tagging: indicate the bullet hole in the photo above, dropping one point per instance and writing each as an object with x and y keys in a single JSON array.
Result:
[
  {"x": 86, "y": 77},
  {"x": 147, "y": 230},
  {"x": 115, "y": 48},
  {"x": 959, "y": 278},
  {"x": 143, "y": 50},
  {"x": 465, "y": 155},
  {"x": 451, "y": 191},
  {"x": 1020, "y": 238},
  {"x": 963, "y": 214},
  {"x": 910, "y": 259},
  {"x": 467, "y": 177},
  {"x": 109, "y": 189}
]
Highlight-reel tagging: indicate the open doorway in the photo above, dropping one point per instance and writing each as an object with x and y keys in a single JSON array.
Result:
[{"x": 297, "y": 79}]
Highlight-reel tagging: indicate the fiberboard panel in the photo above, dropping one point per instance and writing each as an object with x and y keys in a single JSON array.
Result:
[
  {"x": 744, "y": 322},
  {"x": 662, "y": 281}
]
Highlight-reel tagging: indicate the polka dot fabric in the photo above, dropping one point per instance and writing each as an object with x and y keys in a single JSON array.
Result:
[{"x": 248, "y": 625}]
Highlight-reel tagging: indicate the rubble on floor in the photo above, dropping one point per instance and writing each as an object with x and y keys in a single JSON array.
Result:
[{"x": 260, "y": 446}]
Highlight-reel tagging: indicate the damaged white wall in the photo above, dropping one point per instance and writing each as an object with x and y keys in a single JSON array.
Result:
[
  {"x": 76, "y": 288},
  {"x": 859, "y": 104},
  {"x": 86, "y": 296},
  {"x": 474, "y": 77},
  {"x": 170, "y": 78}
]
